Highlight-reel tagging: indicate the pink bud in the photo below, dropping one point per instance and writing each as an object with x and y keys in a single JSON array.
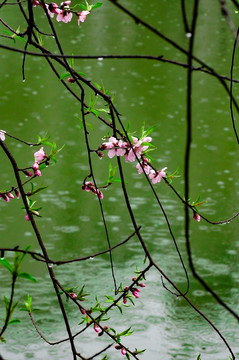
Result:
[
  {"x": 73, "y": 295},
  {"x": 27, "y": 217},
  {"x": 5, "y": 197},
  {"x": 142, "y": 285},
  {"x": 123, "y": 351},
  {"x": 196, "y": 216},
  {"x": 82, "y": 311},
  {"x": 96, "y": 328},
  {"x": 27, "y": 173},
  {"x": 125, "y": 301},
  {"x": 71, "y": 80},
  {"x": 136, "y": 294},
  {"x": 35, "y": 166},
  {"x": 100, "y": 194},
  {"x": 10, "y": 195},
  {"x": 37, "y": 172},
  {"x": 17, "y": 193}
]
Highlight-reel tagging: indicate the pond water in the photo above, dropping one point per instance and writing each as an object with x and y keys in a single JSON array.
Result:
[{"x": 71, "y": 226}]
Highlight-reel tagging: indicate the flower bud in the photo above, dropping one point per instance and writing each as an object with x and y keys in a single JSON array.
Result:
[
  {"x": 123, "y": 351},
  {"x": 73, "y": 295},
  {"x": 27, "y": 217},
  {"x": 10, "y": 195},
  {"x": 142, "y": 285},
  {"x": 35, "y": 166},
  {"x": 17, "y": 193},
  {"x": 5, "y": 197},
  {"x": 27, "y": 173},
  {"x": 96, "y": 328},
  {"x": 71, "y": 80},
  {"x": 37, "y": 172}
]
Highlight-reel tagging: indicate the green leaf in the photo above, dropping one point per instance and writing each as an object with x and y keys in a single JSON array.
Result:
[
  {"x": 27, "y": 276},
  {"x": 199, "y": 357},
  {"x": 95, "y": 112},
  {"x": 6, "y": 264},
  {"x": 147, "y": 132},
  {"x": 116, "y": 180},
  {"x": 63, "y": 76},
  {"x": 3, "y": 340},
  {"x": 82, "y": 6},
  {"x": 39, "y": 189},
  {"x": 126, "y": 332},
  {"x": 28, "y": 303},
  {"x": 103, "y": 110},
  {"x": 14, "y": 321},
  {"x": 96, "y": 5}
]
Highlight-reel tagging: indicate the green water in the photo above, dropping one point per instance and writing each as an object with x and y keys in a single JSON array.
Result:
[{"x": 71, "y": 225}]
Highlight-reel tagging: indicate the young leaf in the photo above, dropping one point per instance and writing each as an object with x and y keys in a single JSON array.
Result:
[
  {"x": 27, "y": 276},
  {"x": 7, "y": 265},
  {"x": 28, "y": 303},
  {"x": 63, "y": 76},
  {"x": 82, "y": 6},
  {"x": 14, "y": 321},
  {"x": 96, "y": 5}
]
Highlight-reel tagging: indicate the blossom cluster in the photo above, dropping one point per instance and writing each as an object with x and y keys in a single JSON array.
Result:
[
  {"x": 7, "y": 196},
  {"x": 89, "y": 186},
  {"x": 132, "y": 151},
  {"x": 135, "y": 291},
  {"x": 63, "y": 12}
]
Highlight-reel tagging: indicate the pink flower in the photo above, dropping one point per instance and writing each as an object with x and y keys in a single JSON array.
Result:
[
  {"x": 82, "y": 16},
  {"x": 64, "y": 15},
  {"x": 2, "y": 135},
  {"x": 96, "y": 328},
  {"x": 117, "y": 147},
  {"x": 40, "y": 155},
  {"x": 138, "y": 148},
  {"x": 156, "y": 176},
  {"x": 123, "y": 351},
  {"x": 145, "y": 166},
  {"x": 27, "y": 217},
  {"x": 196, "y": 216},
  {"x": 88, "y": 186},
  {"x": 53, "y": 9}
]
